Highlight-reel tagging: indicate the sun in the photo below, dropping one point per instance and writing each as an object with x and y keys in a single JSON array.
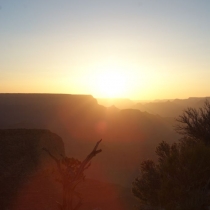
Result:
[{"x": 111, "y": 83}]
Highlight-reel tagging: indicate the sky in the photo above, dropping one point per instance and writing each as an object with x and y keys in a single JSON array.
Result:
[{"x": 146, "y": 49}]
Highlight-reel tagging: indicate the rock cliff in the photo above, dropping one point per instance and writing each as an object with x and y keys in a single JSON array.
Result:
[{"x": 25, "y": 166}]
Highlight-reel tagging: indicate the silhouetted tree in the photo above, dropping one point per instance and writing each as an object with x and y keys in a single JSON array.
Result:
[
  {"x": 147, "y": 185},
  {"x": 180, "y": 179},
  {"x": 195, "y": 123},
  {"x": 71, "y": 173}
]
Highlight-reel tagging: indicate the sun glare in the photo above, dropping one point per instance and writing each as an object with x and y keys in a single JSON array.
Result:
[{"x": 111, "y": 83}]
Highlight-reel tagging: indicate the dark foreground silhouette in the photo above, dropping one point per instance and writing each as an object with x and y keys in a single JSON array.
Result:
[{"x": 27, "y": 181}]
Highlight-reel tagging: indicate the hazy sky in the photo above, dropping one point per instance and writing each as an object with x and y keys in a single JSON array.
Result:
[{"x": 143, "y": 49}]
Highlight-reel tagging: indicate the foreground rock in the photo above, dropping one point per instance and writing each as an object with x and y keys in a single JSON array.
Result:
[
  {"x": 26, "y": 181},
  {"x": 24, "y": 167}
]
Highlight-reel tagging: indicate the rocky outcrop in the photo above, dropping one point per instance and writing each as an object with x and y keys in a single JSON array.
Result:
[{"x": 25, "y": 167}]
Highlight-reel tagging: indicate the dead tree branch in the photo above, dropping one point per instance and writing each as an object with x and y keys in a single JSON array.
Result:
[{"x": 71, "y": 174}]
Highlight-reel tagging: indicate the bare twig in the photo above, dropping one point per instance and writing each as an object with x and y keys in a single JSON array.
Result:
[
  {"x": 88, "y": 159},
  {"x": 54, "y": 158},
  {"x": 71, "y": 176}
]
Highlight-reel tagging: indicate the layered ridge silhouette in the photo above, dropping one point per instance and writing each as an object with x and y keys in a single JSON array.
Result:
[{"x": 129, "y": 135}]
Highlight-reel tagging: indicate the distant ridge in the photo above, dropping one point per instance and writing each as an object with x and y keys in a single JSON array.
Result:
[{"x": 129, "y": 135}]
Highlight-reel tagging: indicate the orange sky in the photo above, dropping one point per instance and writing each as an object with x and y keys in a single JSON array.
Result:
[{"x": 130, "y": 49}]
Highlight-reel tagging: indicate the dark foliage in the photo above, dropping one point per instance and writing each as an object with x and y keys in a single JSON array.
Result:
[
  {"x": 181, "y": 177},
  {"x": 179, "y": 180},
  {"x": 195, "y": 123}
]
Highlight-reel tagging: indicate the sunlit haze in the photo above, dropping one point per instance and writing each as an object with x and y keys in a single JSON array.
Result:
[{"x": 133, "y": 49}]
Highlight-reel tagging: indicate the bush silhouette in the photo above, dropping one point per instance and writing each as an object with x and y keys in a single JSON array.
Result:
[
  {"x": 180, "y": 178},
  {"x": 195, "y": 124}
]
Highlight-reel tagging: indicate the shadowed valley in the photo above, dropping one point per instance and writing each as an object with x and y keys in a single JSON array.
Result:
[{"x": 129, "y": 137}]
